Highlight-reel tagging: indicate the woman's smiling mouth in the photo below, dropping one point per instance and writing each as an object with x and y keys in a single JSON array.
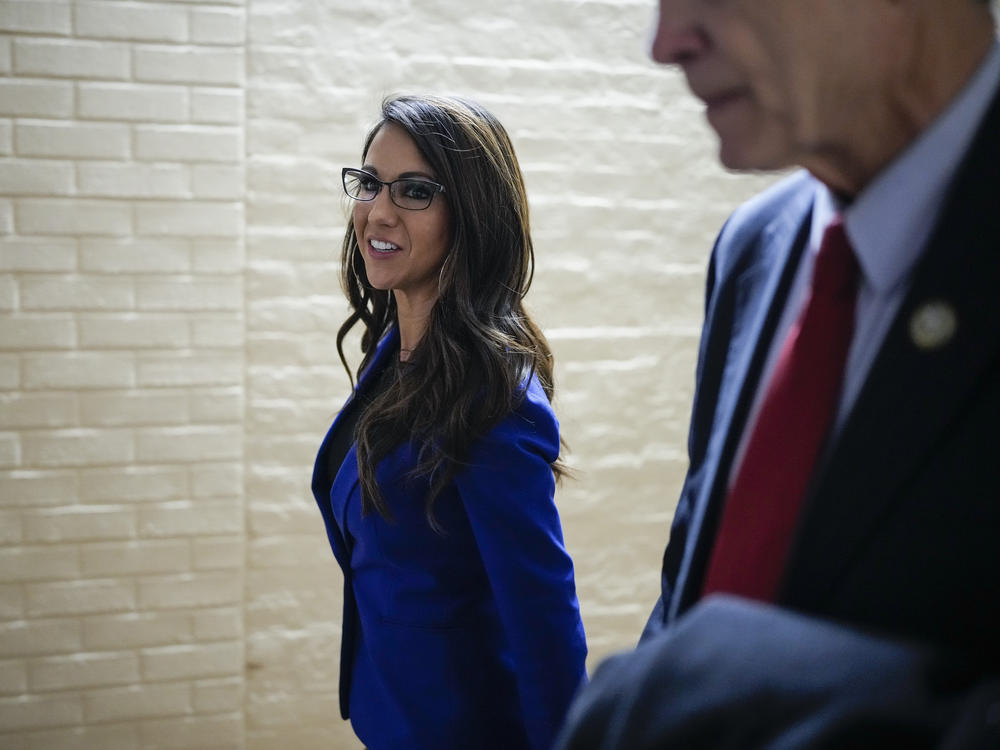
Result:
[{"x": 380, "y": 246}]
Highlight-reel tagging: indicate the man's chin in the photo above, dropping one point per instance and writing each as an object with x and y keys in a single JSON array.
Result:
[{"x": 745, "y": 157}]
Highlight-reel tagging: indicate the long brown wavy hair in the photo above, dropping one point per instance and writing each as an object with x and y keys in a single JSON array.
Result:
[{"x": 480, "y": 347}]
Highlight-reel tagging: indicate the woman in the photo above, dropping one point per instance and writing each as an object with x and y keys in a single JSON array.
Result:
[{"x": 461, "y": 623}]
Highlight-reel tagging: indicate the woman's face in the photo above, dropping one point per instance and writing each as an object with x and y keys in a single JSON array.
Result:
[{"x": 403, "y": 249}]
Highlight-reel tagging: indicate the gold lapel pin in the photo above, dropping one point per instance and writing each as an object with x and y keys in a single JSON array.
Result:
[{"x": 933, "y": 324}]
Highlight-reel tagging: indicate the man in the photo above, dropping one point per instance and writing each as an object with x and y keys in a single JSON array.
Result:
[{"x": 832, "y": 577}]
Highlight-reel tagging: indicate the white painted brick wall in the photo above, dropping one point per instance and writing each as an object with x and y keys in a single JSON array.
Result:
[
  {"x": 185, "y": 64},
  {"x": 170, "y": 221},
  {"x": 187, "y": 143},
  {"x": 121, "y": 374},
  {"x": 55, "y": 138},
  {"x": 127, "y": 101},
  {"x": 32, "y": 17},
  {"x": 152, "y": 22},
  {"x": 61, "y": 58},
  {"x": 217, "y": 106}
]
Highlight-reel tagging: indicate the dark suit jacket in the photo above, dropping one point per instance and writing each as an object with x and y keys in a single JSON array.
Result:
[
  {"x": 473, "y": 638},
  {"x": 900, "y": 530}
]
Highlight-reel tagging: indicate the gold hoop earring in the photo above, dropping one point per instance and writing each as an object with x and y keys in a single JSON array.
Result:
[
  {"x": 441, "y": 281},
  {"x": 362, "y": 280}
]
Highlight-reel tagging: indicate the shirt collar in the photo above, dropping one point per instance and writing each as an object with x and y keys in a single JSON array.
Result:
[{"x": 889, "y": 234}]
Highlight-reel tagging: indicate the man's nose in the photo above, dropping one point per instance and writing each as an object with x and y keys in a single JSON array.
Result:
[{"x": 677, "y": 37}]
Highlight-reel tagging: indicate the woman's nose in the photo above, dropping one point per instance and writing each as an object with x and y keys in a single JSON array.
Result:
[{"x": 381, "y": 208}]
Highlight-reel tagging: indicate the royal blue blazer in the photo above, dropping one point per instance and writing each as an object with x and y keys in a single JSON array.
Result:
[{"x": 467, "y": 639}]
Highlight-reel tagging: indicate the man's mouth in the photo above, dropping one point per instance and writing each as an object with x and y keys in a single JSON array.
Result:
[{"x": 722, "y": 99}]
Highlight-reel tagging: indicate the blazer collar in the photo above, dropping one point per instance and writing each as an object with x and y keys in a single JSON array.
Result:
[{"x": 384, "y": 349}]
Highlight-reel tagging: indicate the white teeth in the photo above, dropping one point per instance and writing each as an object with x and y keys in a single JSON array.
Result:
[{"x": 383, "y": 246}]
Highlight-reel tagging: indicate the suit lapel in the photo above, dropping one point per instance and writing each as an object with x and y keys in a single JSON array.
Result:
[
  {"x": 759, "y": 298},
  {"x": 913, "y": 390}
]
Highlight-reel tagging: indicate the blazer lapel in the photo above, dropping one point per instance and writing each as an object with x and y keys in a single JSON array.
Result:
[
  {"x": 323, "y": 485},
  {"x": 342, "y": 485},
  {"x": 916, "y": 384},
  {"x": 760, "y": 294}
]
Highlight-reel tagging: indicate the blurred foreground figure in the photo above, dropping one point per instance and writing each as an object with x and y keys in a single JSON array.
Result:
[{"x": 832, "y": 577}]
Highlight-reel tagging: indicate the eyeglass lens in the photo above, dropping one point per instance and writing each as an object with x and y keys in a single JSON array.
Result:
[{"x": 405, "y": 193}]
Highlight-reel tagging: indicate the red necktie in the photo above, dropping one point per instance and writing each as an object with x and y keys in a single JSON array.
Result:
[{"x": 763, "y": 503}]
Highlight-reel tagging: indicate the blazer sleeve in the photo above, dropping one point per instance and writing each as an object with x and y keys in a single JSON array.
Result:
[{"x": 508, "y": 493}]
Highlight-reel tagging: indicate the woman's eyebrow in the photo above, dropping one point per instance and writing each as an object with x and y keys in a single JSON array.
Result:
[
  {"x": 404, "y": 175},
  {"x": 423, "y": 175}
]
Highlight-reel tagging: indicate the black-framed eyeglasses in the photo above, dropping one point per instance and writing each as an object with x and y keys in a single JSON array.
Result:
[{"x": 412, "y": 193}]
